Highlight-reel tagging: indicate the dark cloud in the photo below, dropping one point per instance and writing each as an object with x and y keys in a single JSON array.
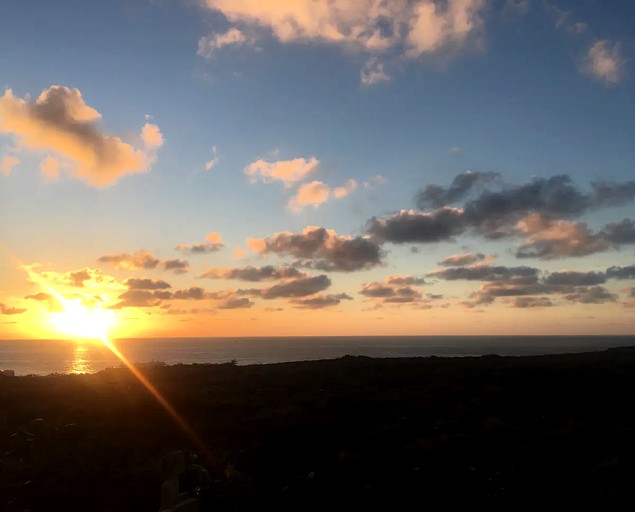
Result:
[
  {"x": 591, "y": 295},
  {"x": 462, "y": 260},
  {"x": 531, "y": 302},
  {"x": 192, "y": 293},
  {"x": 146, "y": 283},
  {"x": 213, "y": 243},
  {"x": 494, "y": 214},
  {"x": 487, "y": 273},
  {"x": 137, "y": 299},
  {"x": 618, "y": 233},
  {"x": 53, "y": 304},
  {"x": 322, "y": 249},
  {"x": 390, "y": 293},
  {"x": 400, "y": 280},
  {"x": 175, "y": 265},
  {"x": 410, "y": 226},
  {"x": 254, "y": 274},
  {"x": 301, "y": 287},
  {"x": 627, "y": 272},
  {"x": 6, "y": 310},
  {"x": 572, "y": 278},
  {"x": 435, "y": 196},
  {"x": 40, "y": 296},
  {"x": 236, "y": 303},
  {"x": 136, "y": 261},
  {"x": 320, "y": 301}
]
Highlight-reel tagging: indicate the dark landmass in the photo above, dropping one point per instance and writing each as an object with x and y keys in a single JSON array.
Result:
[{"x": 352, "y": 432}]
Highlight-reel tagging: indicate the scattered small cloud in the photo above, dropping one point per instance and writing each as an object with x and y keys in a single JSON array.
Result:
[
  {"x": 135, "y": 261},
  {"x": 605, "y": 62},
  {"x": 213, "y": 243},
  {"x": 372, "y": 72},
  {"x": 175, "y": 265},
  {"x": 209, "y": 165},
  {"x": 286, "y": 171},
  {"x": 207, "y": 45}
]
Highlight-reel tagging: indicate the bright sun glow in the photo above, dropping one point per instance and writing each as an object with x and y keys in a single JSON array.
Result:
[{"x": 80, "y": 321}]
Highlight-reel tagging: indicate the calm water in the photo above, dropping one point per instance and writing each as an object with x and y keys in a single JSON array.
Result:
[{"x": 42, "y": 357}]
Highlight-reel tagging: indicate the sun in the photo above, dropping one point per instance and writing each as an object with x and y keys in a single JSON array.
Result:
[{"x": 79, "y": 321}]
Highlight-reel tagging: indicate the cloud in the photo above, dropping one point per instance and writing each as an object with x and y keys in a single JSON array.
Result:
[
  {"x": 486, "y": 273},
  {"x": 192, "y": 293},
  {"x": 462, "y": 260},
  {"x": 627, "y": 272},
  {"x": 390, "y": 292},
  {"x": 7, "y": 163},
  {"x": 254, "y": 274},
  {"x": 322, "y": 248},
  {"x": 373, "y": 72},
  {"x": 135, "y": 261},
  {"x": 591, "y": 295},
  {"x": 348, "y": 188},
  {"x": 374, "y": 182},
  {"x": 6, "y": 310},
  {"x": 551, "y": 239},
  {"x": 605, "y": 62},
  {"x": 286, "y": 171},
  {"x": 531, "y": 302},
  {"x": 50, "y": 168},
  {"x": 207, "y": 45},
  {"x": 310, "y": 194},
  {"x": 410, "y": 226},
  {"x": 239, "y": 253},
  {"x": 365, "y": 25},
  {"x": 60, "y": 121},
  {"x": 436, "y": 196},
  {"x": 213, "y": 243},
  {"x": 297, "y": 288},
  {"x": 317, "y": 193},
  {"x": 151, "y": 136},
  {"x": 431, "y": 28},
  {"x": 146, "y": 283},
  {"x": 402, "y": 280},
  {"x": 618, "y": 233},
  {"x": 495, "y": 214},
  {"x": 175, "y": 265},
  {"x": 320, "y": 301},
  {"x": 138, "y": 299},
  {"x": 573, "y": 278},
  {"x": 80, "y": 278},
  {"x": 209, "y": 165},
  {"x": 237, "y": 303}
]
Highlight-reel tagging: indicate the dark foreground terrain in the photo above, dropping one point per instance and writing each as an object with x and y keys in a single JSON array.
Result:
[{"x": 353, "y": 432}]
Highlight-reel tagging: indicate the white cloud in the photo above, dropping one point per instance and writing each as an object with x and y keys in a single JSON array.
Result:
[
  {"x": 373, "y": 72},
  {"x": 207, "y": 45},
  {"x": 212, "y": 163},
  {"x": 605, "y": 62}
]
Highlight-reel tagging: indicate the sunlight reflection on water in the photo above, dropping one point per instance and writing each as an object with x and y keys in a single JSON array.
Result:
[{"x": 80, "y": 363}]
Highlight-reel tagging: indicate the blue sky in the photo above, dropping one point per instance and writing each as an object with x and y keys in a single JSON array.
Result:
[{"x": 527, "y": 90}]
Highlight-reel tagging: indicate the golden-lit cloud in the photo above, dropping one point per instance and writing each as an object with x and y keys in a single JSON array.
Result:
[
  {"x": 365, "y": 25},
  {"x": 7, "y": 163},
  {"x": 311, "y": 194},
  {"x": 60, "y": 121},
  {"x": 8, "y": 310},
  {"x": 135, "y": 261},
  {"x": 316, "y": 193},
  {"x": 286, "y": 171}
]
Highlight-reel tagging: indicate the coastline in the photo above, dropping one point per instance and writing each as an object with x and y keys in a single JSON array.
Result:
[{"x": 355, "y": 431}]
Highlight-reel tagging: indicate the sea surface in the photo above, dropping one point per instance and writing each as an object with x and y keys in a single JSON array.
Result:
[{"x": 43, "y": 357}]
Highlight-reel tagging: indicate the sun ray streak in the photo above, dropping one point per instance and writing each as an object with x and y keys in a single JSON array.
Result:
[{"x": 176, "y": 417}]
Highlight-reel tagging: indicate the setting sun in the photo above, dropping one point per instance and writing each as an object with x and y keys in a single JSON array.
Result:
[{"x": 79, "y": 321}]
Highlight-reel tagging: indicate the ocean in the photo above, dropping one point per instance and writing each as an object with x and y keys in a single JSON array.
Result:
[{"x": 43, "y": 357}]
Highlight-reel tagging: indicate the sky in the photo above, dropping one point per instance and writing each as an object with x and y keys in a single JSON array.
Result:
[{"x": 317, "y": 167}]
